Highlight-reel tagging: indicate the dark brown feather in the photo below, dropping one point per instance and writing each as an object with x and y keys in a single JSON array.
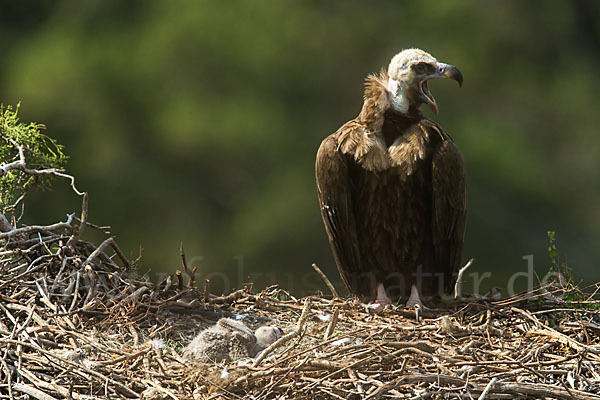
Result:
[{"x": 392, "y": 195}]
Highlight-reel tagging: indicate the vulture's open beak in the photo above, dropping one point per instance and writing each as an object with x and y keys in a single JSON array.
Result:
[{"x": 443, "y": 71}]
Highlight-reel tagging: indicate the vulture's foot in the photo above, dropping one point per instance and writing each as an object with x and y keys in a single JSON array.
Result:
[
  {"x": 414, "y": 302},
  {"x": 377, "y": 306}
]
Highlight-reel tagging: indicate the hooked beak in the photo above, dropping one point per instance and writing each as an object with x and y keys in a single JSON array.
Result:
[{"x": 443, "y": 71}]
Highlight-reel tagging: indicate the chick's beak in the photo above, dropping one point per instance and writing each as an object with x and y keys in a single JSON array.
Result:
[{"x": 443, "y": 71}]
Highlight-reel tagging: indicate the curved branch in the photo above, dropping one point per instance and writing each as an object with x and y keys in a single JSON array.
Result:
[
  {"x": 21, "y": 165},
  {"x": 38, "y": 228}
]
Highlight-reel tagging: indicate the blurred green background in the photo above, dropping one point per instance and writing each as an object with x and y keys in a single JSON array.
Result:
[{"x": 198, "y": 122}]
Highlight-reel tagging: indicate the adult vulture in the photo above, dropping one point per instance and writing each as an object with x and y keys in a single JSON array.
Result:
[{"x": 392, "y": 188}]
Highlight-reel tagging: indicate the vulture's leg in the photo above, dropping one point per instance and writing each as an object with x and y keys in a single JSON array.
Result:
[
  {"x": 382, "y": 302},
  {"x": 414, "y": 301},
  {"x": 382, "y": 297}
]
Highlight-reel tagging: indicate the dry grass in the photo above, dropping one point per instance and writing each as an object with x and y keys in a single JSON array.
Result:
[{"x": 76, "y": 322}]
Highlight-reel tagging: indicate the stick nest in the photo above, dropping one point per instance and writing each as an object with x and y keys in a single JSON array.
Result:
[{"x": 78, "y": 322}]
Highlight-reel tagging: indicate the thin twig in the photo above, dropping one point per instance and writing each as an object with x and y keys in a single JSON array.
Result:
[
  {"x": 326, "y": 280},
  {"x": 190, "y": 273},
  {"x": 457, "y": 284},
  {"x": 332, "y": 323},
  {"x": 83, "y": 220},
  {"x": 487, "y": 388}
]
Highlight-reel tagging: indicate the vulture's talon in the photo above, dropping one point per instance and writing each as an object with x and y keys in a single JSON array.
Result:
[{"x": 378, "y": 306}]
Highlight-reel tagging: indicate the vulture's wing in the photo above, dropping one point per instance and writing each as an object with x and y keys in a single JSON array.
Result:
[
  {"x": 335, "y": 201},
  {"x": 449, "y": 208}
]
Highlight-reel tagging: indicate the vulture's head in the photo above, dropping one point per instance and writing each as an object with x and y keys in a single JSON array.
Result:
[{"x": 409, "y": 72}]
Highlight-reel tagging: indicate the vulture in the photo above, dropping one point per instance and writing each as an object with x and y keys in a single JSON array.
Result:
[{"x": 392, "y": 189}]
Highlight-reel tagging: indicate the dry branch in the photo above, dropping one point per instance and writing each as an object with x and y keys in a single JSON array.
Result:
[
  {"x": 326, "y": 280},
  {"x": 38, "y": 228}
]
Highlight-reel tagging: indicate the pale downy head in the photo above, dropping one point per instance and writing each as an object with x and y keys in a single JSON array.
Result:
[
  {"x": 409, "y": 72},
  {"x": 267, "y": 335}
]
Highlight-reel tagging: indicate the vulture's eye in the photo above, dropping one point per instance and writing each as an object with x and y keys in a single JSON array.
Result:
[{"x": 419, "y": 68}]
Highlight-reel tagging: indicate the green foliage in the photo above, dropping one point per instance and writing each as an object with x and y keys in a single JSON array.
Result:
[
  {"x": 560, "y": 269},
  {"x": 40, "y": 152},
  {"x": 553, "y": 252},
  {"x": 572, "y": 292},
  {"x": 557, "y": 267}
]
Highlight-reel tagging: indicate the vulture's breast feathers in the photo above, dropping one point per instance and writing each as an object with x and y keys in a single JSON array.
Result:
[
  {"x": 405, "y": 144},
  {"x": 366, "y": 147}
]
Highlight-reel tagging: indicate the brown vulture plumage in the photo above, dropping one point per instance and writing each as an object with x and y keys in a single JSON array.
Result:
[{"x": 392, "y": 188}]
